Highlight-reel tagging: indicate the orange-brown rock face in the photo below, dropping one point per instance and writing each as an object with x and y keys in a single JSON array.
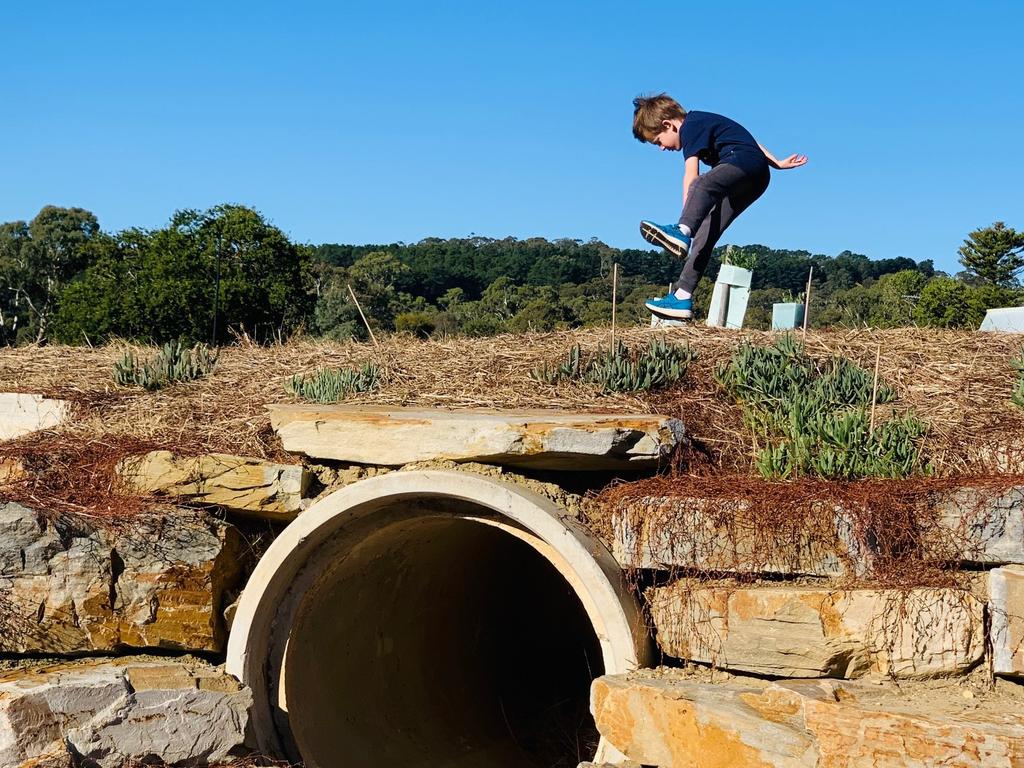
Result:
[
  {"x": 793, "y": 631},
  {"x": 159, "y": 583},
  {"x": 247, "y": 485},
  {"x": 674, "y": 723}
]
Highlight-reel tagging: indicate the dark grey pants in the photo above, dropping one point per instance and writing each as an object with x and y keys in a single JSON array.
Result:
[{"x": 713, "y": 202}]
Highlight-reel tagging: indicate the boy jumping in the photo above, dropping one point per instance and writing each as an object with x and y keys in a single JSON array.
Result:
[{"x": 739, "y": 175}]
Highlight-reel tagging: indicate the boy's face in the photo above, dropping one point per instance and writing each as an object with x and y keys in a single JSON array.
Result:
[{"x": 668, "y": 139}]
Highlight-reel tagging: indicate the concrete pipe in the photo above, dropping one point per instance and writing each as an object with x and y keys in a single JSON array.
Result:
[{"x": 432, "y": 619}]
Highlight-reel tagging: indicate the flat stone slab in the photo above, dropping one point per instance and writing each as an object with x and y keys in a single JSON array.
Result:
[
  {"x": 829, "y": 724},
  {"x": 539, "y": 439},
  {"x": 1006, "y": 608},
  {"x": 242, "y": 484},
  {"x": 1004, "y": 319},
  {"x": 68, "y": 588},
  {"x": 667, "y": 533},
  {"x": 184, "y": 712},
  {"x": 807, "y": 632},
  {"x": 969, "y": 524},
  {"x": 988, "y": 526},
  {"x": 21, "y": 414}
]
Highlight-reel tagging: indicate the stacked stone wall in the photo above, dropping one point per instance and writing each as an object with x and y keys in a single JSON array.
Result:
[{"x": 804, "y": 652}]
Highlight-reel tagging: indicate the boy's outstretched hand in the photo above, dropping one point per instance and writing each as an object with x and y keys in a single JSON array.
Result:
[{"x": 793, "y": 161}]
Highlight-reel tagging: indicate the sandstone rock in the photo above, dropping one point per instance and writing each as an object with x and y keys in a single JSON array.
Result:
[
  {"x": 826, "y": 724},
  {"x": 684, "y": 532},
  {"x": 1006, "y": 609},
  {"x": 334, "y": 478},
  {"x": 541, "y": 439},
  {"x": 21, "y": 414},
  {"x": 239, "y": 483},
  {"x": 974, "y": 525},
  {"x": 12, "y": 470},
  {"x": 57, "y": 755},
  {"x": 808, "y": 632},
  {"x": 68, "y": 588},
  {"x": 986, "y": 526},
  {"x": 107, "y": 712}
]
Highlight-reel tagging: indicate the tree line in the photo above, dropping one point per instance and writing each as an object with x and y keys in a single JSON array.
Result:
[{"x": 211, "y": 275}]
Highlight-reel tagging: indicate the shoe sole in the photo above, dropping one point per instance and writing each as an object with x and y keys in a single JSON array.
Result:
[
  {"x": 653, "y": 235},
  {"x": 672, "y": 314}
]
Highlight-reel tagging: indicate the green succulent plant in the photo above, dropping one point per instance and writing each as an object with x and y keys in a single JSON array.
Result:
[
  {"x": 813, "y": 417},
  {"x": 329, "y": 385},
  {"x": 1018, "y": 393},
  {"x": 621, "y": 369},
  {"x": 172, "y": 363}
]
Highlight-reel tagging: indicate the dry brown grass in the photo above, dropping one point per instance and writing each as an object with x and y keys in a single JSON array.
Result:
[{"x": 958, "y": 382}]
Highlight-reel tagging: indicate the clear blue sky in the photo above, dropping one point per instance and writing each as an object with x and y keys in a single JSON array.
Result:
[{"x": 384, "y": 121}]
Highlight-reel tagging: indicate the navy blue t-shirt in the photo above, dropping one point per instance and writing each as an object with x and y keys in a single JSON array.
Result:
[{"x": 715, "y": 139}]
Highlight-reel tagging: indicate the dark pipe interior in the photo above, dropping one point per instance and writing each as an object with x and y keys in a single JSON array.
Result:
[{"x": 442, "y": 642}]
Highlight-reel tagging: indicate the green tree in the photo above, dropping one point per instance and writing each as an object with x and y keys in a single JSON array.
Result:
[
  {"x": 944, "y": 303},
  {"x": 335, "y": 316},
  {"x": 375, "y": 278},
  {"x": 995, "y": 254},
  {"x": 899, "y": 293},
  {"x": 536, "y": 315},
  {"x": 984, "y": 297},
  {"x": 36, "y": 261},
  {"x": 226, "y": 267},
  {"x": 851, "y": 308},
  {"x": 419, "y": 324},
  {"x": 14, "y": 307}
]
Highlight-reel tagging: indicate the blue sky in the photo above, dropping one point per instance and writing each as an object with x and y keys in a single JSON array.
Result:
[{"x": 378, "y": 122}]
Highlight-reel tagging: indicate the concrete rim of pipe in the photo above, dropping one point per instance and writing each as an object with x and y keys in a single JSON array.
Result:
[{"x": 269, "y": 604}]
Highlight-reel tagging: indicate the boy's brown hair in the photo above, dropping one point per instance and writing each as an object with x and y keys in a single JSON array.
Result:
[{"x": 649, "y": 111}]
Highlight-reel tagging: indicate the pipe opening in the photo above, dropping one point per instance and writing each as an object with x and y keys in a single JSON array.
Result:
[{"x": 441, "y": 641}]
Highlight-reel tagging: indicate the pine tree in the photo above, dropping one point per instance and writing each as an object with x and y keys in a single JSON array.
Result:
[{"x": 995, "y": 254}]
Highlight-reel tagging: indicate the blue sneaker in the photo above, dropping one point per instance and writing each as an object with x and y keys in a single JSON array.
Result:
[
  {"x": 670, "y": 306},
  {"x": 668, "y": 236}
]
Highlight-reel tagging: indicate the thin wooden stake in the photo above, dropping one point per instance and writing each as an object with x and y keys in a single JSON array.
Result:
[
  {"x": 874, "y": 390},
  {"x": 615, "y": 287},
  {"x": 353, "y": 295},
  {"x": 807, "y": 299}
]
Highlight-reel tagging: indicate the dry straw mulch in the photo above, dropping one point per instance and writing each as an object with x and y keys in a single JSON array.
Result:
[{"x": 959, "y": 382}]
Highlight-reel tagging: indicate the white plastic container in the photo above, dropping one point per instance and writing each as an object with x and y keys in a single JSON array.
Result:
[
  {"x": 787, "y": 315},
  {"x": 730, "y": 296}
]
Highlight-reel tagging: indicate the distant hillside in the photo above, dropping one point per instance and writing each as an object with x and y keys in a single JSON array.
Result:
[
  {"x": 226, "y": 272},
  {"x": 436, "y": 265}
]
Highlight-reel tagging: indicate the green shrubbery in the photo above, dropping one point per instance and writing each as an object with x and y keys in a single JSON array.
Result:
[
  {"x": 622, "y": 369},
  {"x": 813, "y": 418},
  {"x": 329, "y": 385},
  {"x": 227, "y": 272},
  {"x": 174, "y": 362},
  {"x": 419, "y": 324}
]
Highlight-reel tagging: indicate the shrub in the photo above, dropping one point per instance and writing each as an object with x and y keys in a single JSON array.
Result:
[
  {"x": 329, "y": 385},
  {"x": 740, "y": 257},
  {"x": 813, "y": 418},
  {"x": 419, "y": 324},
  {"x": 622, "y": 369},
  {"x": 174, "y": 362},
  {"x": 944, "y": 303}
]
